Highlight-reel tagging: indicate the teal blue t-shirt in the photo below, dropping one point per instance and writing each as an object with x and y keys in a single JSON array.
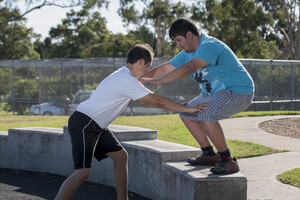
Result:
[{"x": 224, "y": 71}]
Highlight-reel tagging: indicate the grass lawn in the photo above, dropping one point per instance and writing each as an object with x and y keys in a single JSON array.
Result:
[
  {"x": 290, "y": 177},
  {"x": 169, "y": 127}
]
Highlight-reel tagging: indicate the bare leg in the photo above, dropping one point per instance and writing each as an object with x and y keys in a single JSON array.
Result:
[
  {"x": 202, "y": 130},
  {"x": 120, "y": 159},
  {"x": 215, "y": 133},
  {"x": 72, "y": 183},
  {"x": 197, "y": 131}
]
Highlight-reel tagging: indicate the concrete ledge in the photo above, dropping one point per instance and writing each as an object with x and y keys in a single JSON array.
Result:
[
  {"x": 157, "y": 169},
  {"x": 132, "y": 133},
  {"x": 165, "y": 150},
  {"x": 203, "y": 185},
  {"x": 3, "y": 133}
]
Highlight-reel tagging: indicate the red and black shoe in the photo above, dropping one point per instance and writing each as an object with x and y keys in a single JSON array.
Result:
[
  {"x": 226, "y": 166},
  {"x": 205, "y": 159}
]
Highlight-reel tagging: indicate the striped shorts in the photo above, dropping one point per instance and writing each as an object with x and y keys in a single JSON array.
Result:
[{"x": 222, "y": 105}]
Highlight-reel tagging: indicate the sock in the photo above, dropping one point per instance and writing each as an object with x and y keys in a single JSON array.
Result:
[
  {"x": 209, "y": 150},
  {"x": 225, "y": 154}
]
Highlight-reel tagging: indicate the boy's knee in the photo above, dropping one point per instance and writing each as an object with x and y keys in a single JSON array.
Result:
[
  {"x": 120, "y": 157},
  {"x": 82, "y": 174}
]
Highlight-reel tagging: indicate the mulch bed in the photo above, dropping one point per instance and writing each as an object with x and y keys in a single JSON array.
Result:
[{"x": 289, "y": 127}]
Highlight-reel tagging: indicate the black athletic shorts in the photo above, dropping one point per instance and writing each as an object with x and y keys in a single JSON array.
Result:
[{"x": 89, "y": 140}]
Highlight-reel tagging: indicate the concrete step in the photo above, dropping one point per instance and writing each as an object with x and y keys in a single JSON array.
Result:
[
  {"x": 165, "y": 150},
  {"x": 3, "y": 133},
  {"x": 198, "y": 183},
  {"x": 37, "y": 130},
  {"x": 157, "y": 169},
  {"x": 132, "y": 133}
]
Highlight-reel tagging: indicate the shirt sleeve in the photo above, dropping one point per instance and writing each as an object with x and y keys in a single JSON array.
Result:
[
  {"x": 179, "y": 59},
  {"x": 209, "y": 52},
  {"x": 134, "y": 89}
]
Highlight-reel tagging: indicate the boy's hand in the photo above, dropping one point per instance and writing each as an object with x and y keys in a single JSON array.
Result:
[{"x": 198, "y": 108}]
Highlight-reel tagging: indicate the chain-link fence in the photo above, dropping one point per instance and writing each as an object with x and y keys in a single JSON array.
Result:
[{"x": 56, "y": 87}]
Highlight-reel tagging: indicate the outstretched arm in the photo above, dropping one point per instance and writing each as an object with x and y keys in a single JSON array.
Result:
[
  {"x": 160, "y": 70},
  {"x": 157, "y": 101},
  {"x": 179, "y": 72}
]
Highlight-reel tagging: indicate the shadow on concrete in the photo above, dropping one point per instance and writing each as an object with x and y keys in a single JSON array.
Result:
[{"x": 24, "y": 185}]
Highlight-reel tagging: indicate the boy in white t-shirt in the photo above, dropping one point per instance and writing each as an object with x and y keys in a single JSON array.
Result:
[{"x": 87, "y": 125}]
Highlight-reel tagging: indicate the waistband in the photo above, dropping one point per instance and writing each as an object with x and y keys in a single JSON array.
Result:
[{"x": 93, "y": 125}]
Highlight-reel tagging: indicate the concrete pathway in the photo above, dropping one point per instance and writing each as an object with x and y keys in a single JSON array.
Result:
[{"x": 261, "y": 171}]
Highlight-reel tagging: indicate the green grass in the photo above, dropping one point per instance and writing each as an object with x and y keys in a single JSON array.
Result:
[
  {"x": 169, "y": 127},
  {"x": 19, "y": 121},
  {"x": 290, "y": 177}
]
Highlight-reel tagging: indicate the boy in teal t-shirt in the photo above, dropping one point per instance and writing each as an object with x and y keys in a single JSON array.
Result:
[{"x": 223, "y": 81}]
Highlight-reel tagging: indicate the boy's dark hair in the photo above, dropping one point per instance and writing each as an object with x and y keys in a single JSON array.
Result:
[
  {"x": 140, "y": 51},
  {"x": 181, "y": 26}
]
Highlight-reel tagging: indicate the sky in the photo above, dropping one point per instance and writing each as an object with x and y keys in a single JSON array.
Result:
[{"x": 41, "y": 20}]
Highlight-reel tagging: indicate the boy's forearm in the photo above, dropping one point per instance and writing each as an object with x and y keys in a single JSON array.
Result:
[
  {"x": 160, "y": 70},
  {"x": 164, "y": 103}
]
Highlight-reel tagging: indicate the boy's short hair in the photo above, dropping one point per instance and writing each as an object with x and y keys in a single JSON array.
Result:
[
  {"x": 140, "y": 51},
  {"x": 181, "y": 26}
]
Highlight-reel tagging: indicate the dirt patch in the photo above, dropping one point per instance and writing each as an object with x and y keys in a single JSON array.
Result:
[{"x": 289, "y": 127}]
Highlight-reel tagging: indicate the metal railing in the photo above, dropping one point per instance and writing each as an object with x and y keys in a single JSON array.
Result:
[{"x": 27, "y": 82}]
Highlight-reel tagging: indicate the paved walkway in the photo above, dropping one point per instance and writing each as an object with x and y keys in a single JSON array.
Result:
[{"x": 260, "y": 171}]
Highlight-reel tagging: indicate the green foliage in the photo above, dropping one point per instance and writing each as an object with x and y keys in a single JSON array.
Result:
[
  {"x": 241, "y": 24},
  {"x": 157, "y": 14},
  {"x": 25, "y": 89},
  {"x": 290, "y": 177},
  {"x": 83, "y": 34},
  {"x": 286, "y": 23},
  {"x": 15, "y": 38}
]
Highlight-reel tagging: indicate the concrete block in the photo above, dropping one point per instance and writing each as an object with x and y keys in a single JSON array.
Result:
[
  {"x": 187, "y": 182},
  {"x": 145, "y": 164},
  {"x": 157, "y": 169},
  {"x": 132, "y": 133},
  {"x": 39, "y": 149}
]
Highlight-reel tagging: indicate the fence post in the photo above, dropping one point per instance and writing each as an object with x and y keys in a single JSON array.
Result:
[
  {"x": 271, "y": 86},
  {"x": 40, "y": 90},
  {"x": 84, "y": 77},
  {"x": 13, "y": 87},
  {"x": 293, "y": 85},
  {"x": 61, "y": 88}
]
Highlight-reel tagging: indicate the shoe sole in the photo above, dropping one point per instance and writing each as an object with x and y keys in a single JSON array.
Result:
[
  {"x": 201, "y": 164},
  {"x": 224, "y": 172}
]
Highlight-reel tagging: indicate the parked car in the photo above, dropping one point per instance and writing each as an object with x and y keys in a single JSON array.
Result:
[
  {"x": 80, "y": 96},
  {"x": 47, "y": 108}
]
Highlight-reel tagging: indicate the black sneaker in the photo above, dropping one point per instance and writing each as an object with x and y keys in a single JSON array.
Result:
[
  {"x": 226, "y": 166},
  {"x": 205, "y": 160}
]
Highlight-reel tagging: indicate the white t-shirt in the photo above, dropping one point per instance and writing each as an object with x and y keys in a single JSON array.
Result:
[{"x": 112, "y": 96}]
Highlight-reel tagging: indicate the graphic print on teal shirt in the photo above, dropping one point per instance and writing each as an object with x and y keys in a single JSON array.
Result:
[{"x": 224, "y": 72}]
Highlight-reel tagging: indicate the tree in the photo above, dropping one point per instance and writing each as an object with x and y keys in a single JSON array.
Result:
[
  {"x": 159, "y": 14},
  {"x": 38, "y": 4},
  {"x": 15, "y": 38},
  {"x": 241, "y": 24},
  {"x": 286, "y": 26},
  {"x": 83, "y": 34},
  {"x": 75, "y": 36}
]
